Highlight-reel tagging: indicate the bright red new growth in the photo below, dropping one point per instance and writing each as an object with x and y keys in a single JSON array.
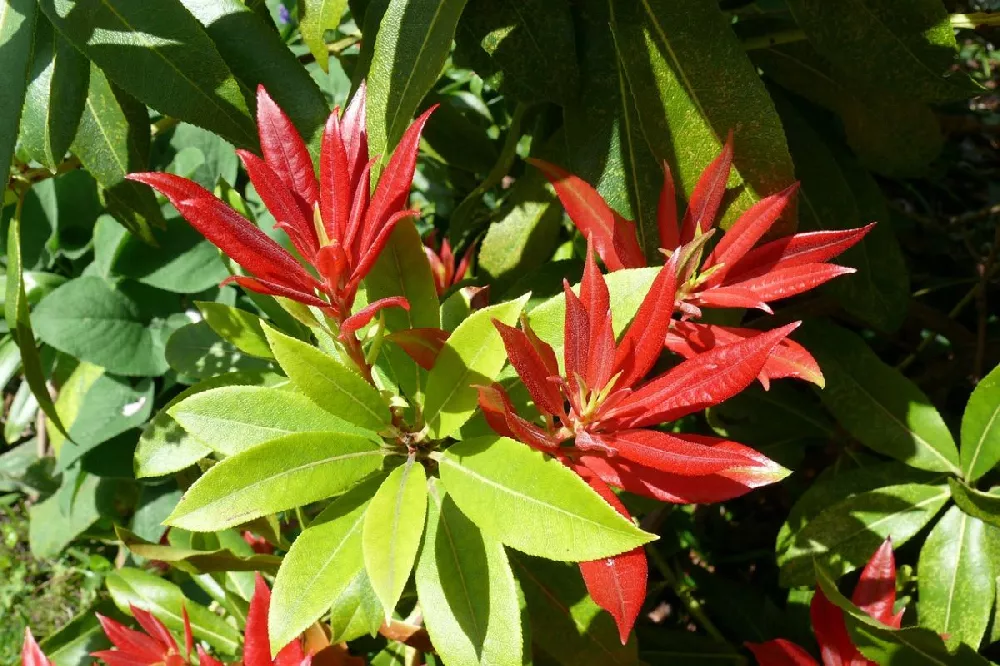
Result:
[
  {"x": 31, "y": 654},
  {"x": 135, "y": 648},
  {"x": 442, "y": 260},
  {"x": 332, "y": 222},
  {"x": 875, "y": 594},
  {"x": 597, "y": 412},
  {"x": 257, "y": 645},
  {"x": 736, "y": 274}
]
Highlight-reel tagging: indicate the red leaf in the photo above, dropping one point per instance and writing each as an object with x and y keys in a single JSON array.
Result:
[
  {"x": 617, "y": 584},
  {"x": 626, "y": 243},
  {"x": 335, "y": 180},
  {"x": 275, "y": 289},
  {"x": 808, "y": 248},
  {"x": 256, "y": 644},
  {"x": 116, "y": 658},
  {"x": 675, "y": 453},
  {"x": 531, "y": 368},
  {"x": 875, "y": 592},
  {"x": 744, "y": 234},
  {"x": 394, "y": 184},
  {"x": 699, "y": 382},
  {"x": 703, "y": 206},
  {"x": 205, "y": 659},
  {"x": 502, "y": 417},
  {"x": 232, "y": 233},
  {"x": 786, "y": 282},
  {"x": 284, "y": 151},
  {"x": 154, "y": 628},
  {"x": 188, "y": 637},
  {"x": 130, "y": 641},
  {"x": 281, "y": 204},
  {"x": 493, "y": 405},
  {"x": 421, "y": 344},
  {"x": 591, "y": 215},
  {"x": 642, "y": 344},
  {"x": 463, "y": 265},
  {"x": 780, "y": 653},
  {"x": 731, "y": 297},
  {"x": 835, "y": 645},
  {"x": 352, "y": 127},
  {"x": 789, "y": 358},
  {"x": 597, "y": 302},
  {"x": 362, "y": 317},
  {"x": 666, "y": 213},
  {"x": 359, "y": 207},
  {"x": 31, "y": 654},
  {"x": 369, "y": 253},
  {"x": 544, "y": 349},
  {"x": 576, "y": 335}
]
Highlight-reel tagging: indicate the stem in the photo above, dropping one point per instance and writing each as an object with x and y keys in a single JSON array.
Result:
[{"x": 684, "y": 592}]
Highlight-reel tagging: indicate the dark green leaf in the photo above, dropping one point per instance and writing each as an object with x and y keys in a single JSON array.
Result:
[
  {"x": 975, "y": 503},
  {"x": 160, "y": 54},
  {"x": 955, "y": 577},
  {"x": 690, "y": 78},
  {"x": 182, "y": 262},
  {"x": 981, "y": 428},
  {"x": 57, "y": 90},
  {"x": 197, "y": 351},
  {"x": 684, "y": 648},
  {"x": 281, "y": 474},
  {"x": 411, "y": 48},
  {"x": 878, "y": 405},
  {"x": 52, "y": 527},
  {"x": 17, "y": 26},
  {"x": 908, "y": 50}
]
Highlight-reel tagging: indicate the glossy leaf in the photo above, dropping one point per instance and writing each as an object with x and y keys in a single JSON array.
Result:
[
  {"x": 956, "y": 581},
  {"x": 233, "y": 419},
  {"x": 877, "y": 404},
  {"x": 328, "y": 383},
  {"x": 112, "y": 141},
  {"x": 913, "y": 44},
  {"x": 393, "y": 525},
  {"x": 548, "y": 507},
  {"x": 56, "y": 93},
  {"x": 411, "y": 48},
  {"x": 315, "y": 18},
  {"x": 17, "y": 26},
  {"x": 474, "y": 354},
  {"x": 566, "y": 625},
  {"x": 845, "y": 533},
  {"x": 981, "y": 428},
  {"x": 160, "y": 54},
  {"x": 321, "y": 565},
  {"x": 467, "y": 590},
  {"x": 281, "y": 474},
  {"x": 975, "y": 503},
  {"x": 683, "y": 89}
]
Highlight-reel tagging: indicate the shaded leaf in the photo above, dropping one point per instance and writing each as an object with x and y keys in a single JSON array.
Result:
[
  {"x": 17, "y": 26},
  {"x": 195, "y": 350}
]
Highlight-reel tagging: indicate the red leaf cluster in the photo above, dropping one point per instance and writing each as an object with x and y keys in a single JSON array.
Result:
[
  {"x": 875, "y": 594},
  {"x": 442, "y": 260}
]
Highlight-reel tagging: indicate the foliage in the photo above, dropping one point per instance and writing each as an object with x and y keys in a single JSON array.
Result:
[{"x": 499, "y": 332}]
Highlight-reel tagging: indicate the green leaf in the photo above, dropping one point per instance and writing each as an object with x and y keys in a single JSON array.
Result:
[
  {"x": 164, "y": 446},
  {"x": 530, "y": 45},
  {"x": 322, "y": 564},
  {"x": 896, "y": 137},
  {"x": 604, "y": 142},
  {"x": 908, "y": 50},
  {"x": 74, "y": 642},
  {"x": 111, "y": 142},
  {"x": 243, "y": 329},
  {"x": 356, "y": 611},
  {"x": 975, "y": 503},
  {"x": 16, "y": 311},
  {"x": 278, "y": 475},
  {"x": 403, "y": 270},
  {"x": 546, "y": 507},
  {"x": 684, "y": 89},
  {"x": 331, "y": 385},
  {"x": 392, "y": 529},
  {"x": 845, "y": 534},
  {"x": 196, "y": 561},
  {"x": 913, "y": 645},
  {"x": 256, "y": 54},
  {"x": 233, "y": 419},
  {"x": 165, "y": 600},
  {"x": 473, "y": 354},
  {"x": 90, "y": 319},
  {"x": 627, "y": 289},
  {"x": 467, "y": 590},
  {"x": 195, "y": 350},
  {"x": 566, "y": 625},
  {"x": 53, "y": 103},
  {"x": 878, "y": 405},
  {"x": 51, "y": 527},
  {"x": 981, "y": 428},
  {"x": 182, "y": 261},
  {"x": 160, "y": 54},
  {"x": 71, "y": 395},
  {"x": 837, "y": 194},
  {"x": 17, "y": 26},
  {"x": 315, "y": 18},
  {"x": 411, "y": 47},
  {"x": 955, "y": 579}
]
